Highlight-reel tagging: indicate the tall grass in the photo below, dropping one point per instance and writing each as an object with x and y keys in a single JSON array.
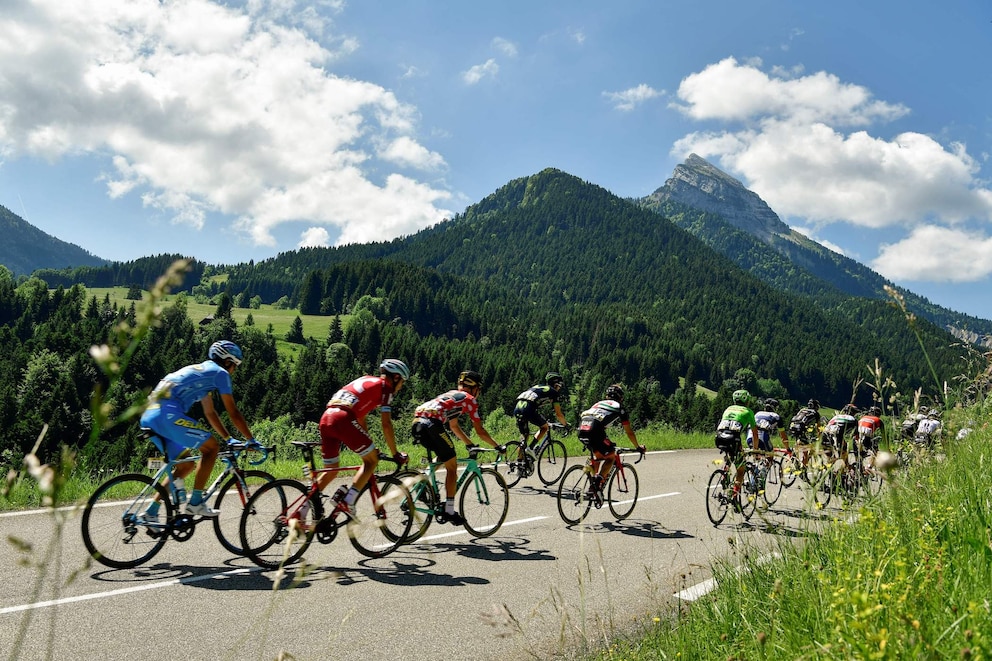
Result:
[{"x": 908, "y": 579}]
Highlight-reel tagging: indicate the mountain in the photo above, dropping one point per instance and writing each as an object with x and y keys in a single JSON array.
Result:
[
  {"x": 617, "y": 288},
  {"x": 26, "y": 248},
  {"x": 733, "y": 220}
]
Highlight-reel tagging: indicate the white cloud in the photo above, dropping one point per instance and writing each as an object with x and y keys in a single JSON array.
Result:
[
  {"x": 802, "y": 143},
  {"x": 504, "y": 46},
  {"x": 204, "y": 108},
  {"x": 475, "y": 74},
  {"x": 629, "y": 99},
  {"x": 937, "y": 254},
  {"x": 314, "y": 237}
]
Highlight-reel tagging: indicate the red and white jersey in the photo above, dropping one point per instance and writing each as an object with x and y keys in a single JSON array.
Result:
[{"x": 364, "y": 395}]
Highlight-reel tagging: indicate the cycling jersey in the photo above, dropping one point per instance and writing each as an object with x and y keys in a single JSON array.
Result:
[
  {"x": 450, "y": 405},
  {"x": 528, "y": 402},
  {"x": 868, "y": 427},
  {"x": 767, "y": 422},
  {"x": 595, "y": 420},
  {"x": 837, "y": 428},
  {"x": 172, "y": 399},
  {"x": 733, "y": 422},
  {"x": 363, "y": 395}
]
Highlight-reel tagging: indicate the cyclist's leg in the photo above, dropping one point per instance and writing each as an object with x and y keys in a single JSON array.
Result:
[{"x": 436, "y": 439}]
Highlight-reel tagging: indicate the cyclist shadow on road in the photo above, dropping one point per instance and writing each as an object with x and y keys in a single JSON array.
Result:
[
  {"x": 639, "y": 528},
  {"x": 494, "y": 549},
  {"x": 230, "y": 577}
]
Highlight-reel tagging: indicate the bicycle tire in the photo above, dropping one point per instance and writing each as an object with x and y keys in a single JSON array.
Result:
[
  {"x": 790, "y": 467},
  {"x": 424, "y": 502},
  {"x": 773, "y": 482},
  {"x": 749, "y": 492},
  {"x": 484, "y": 502},
  {"x": 514, "y": 463},
  {"x": 267, "y": 537},
  {"x": 622, "y": 492},
  {"x": 823, "y": 484},
  {"x": 552, "y": 462},
  {"x": 718, "y": 496},
  {"x": 115, "y": 538},
  {"x": 376, "y": 529},
  {"x": 873, "y": 479},
  {"x": 573, "y": 505},
  {"x": 231, "y": 501}
]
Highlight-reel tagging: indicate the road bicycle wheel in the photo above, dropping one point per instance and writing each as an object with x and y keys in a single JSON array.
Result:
[
  {"x": 516, "y": 463},
  {"x": 231, "y": 500},
  {"x": 823, "y": 482},
  {"x": 112, "y": 532},
  {"x": 552, "y": 463},
  {"x": 278, "y": 523},
  {"x": 749, "y": 492},
  {"x": 573, "y": 501},
  {"x": 423, "y": 499},
  {"x": 484, "y": 502},
  {"x": 790, "y": 467},
  {"x": 718, "y": 496},
  {"x": 873, "y": 479},
  {"x": 622, "y": 492},
  {"x": 380, "y": 525},
  {"x": 773, "y": 482}
]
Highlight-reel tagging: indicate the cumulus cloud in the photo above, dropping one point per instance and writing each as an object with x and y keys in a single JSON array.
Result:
[
  {"x": 314, "y": 237},
  {"x": 802, "y": 142},
  {"x": 629, "y": 99},
  {"x": 504, "y": 46},
  {"x": 205, "y": 108},
  {"x": 475, "y": 74},
  {"x": 937, "y": 254}
]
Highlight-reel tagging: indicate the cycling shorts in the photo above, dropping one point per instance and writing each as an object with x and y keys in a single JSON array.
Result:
[
  {"x": 434, "y": 436},
  {"x": 339, "y": 426},
  {"x": 169, "y": 422},
  {"x": 526, "y": 415},
  {"x": 600, "y": 442}
]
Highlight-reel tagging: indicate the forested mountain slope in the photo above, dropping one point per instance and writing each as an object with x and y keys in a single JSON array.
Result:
[
  {"x": 733, "y": 220},
  {"x": 25, "y": 248}
]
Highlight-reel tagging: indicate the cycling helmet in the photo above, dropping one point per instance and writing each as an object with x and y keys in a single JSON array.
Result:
[
  {"x": 551, "y": 378},
  {"x": 470, "y": 378},
  {"x": 849, "y": 409},
  {"x": 813, "y": 404},
  {"x": 397, "y": 367},
  {"x": 875, "y": 411},
  {"x": 741, "y": 397},
  {"x": 615, "y": 392},
  {"x": 924, "y": 410},
  {"x": 225, "y": 350},
  {"x": 771, "y": 404}
]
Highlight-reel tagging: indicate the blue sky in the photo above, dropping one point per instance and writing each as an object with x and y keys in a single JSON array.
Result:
[{"x": 238, "y": 130}]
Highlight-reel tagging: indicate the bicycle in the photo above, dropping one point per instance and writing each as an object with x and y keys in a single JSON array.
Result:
[
  {"x": 790, "y": 465},
  {"x": 767, "y": 474},
  {"x": 549, "y": 458},
  {"x": 112, "y": 523},
  {"x": 284, "y": 517},
  {"x": 483, "y": 500},
  {"x": 578, "y": 493},
  {"x": 721, "y": 496}
]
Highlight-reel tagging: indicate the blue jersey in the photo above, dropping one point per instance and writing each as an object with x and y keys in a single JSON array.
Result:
[{"x": 187, "y": 386}]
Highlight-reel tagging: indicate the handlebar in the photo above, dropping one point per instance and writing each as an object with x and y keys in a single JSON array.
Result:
[
  {"x": 476, "y": 450},
  {"x": 640, "y": 451},
  {"x": 238, "y": 447},
  {"x": 564, "y": 430}
]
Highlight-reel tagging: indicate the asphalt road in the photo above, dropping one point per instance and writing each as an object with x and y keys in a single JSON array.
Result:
[{"x": 536, "y": 589}]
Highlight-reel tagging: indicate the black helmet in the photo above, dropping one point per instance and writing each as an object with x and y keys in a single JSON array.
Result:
[
  {"x": 551, "y": 378},
  {"x": 470, "y": 378},
  {"x": 771, "y": 404},
  {"x": 875, "y": 411},
  {"x": 813, "y": 404},
  {"x": 615, "y": 392}
]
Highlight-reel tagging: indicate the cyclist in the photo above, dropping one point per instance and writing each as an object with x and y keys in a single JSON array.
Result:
[
  {"x": 768, "y": 421},
  {"x": 805, "y": 428},
  {"x": 834, "y": 437},
  {"x": 737, "y": 423},
  {"x": 168, "y": 416},
  {"x": 592, "y": 430},
  {"x": 344, "y": 422},
  {"x": 870, "y": 429},
  {"x": 928, "y": 430},
  {"x": 429, "y": 430},
  {"x": 527, "y": 410}
]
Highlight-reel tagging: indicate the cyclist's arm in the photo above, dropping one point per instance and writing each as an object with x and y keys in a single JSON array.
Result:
[
  {"x": 560, "y": 415},
  {"x": 483, "y": 434},
  {"x": 457, "y": 430},
  {"x": 212, "y": 417},
  {"x": 630, "y": 434},
  {"x": 387, "y": 430},
  {"x": 236, "y": 417}
]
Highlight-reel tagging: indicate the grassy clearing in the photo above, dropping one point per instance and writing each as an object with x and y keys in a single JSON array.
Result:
[{"x": 907, "y": 579}]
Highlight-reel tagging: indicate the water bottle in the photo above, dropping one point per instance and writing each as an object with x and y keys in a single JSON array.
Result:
[{"x": 180, "y": 491}]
